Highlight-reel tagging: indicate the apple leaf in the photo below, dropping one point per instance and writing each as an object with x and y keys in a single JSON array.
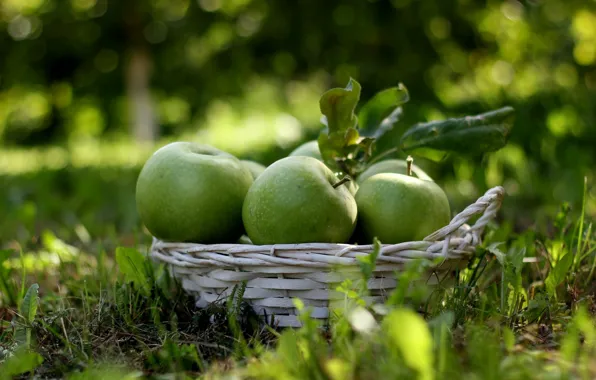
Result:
[
  {"x": 486, "y": 132},
  {"x": 383, "y": 111},
  {"x": 342, "y": 147},
  {"x": 348, "y": 141},
  {"x": 338, "y": 105},
  {"x": 338, "y": 142}
]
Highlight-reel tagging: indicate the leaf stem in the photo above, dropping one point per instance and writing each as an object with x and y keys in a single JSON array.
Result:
[
  {"x": 342, "y": 181},
  {"x": 409, "y": 162},
  {"x": 384, "y": 154}
]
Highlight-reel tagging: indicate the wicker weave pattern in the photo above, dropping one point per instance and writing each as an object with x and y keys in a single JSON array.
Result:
[{"x": 277, "y": 273}]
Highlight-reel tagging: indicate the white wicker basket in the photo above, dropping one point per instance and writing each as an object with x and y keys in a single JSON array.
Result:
[{"x": 275, "y": 274}]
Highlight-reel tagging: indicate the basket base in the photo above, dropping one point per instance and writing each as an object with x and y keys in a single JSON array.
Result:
[{"x": 276, "y": 307}]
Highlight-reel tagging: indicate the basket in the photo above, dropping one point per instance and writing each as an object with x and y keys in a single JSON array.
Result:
[{"x": 275, "y": 274}]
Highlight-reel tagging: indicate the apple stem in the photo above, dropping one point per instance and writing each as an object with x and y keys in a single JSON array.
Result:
[
  {"x": 409, "y": 162},
  {"x": 342, "y": 181}
]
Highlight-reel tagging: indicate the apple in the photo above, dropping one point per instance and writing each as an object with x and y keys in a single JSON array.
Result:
[
  {"x": 298, "y": 199},
  {"x": 308, "y": 149},
  {"x": 311, "y": 149},
  {"x": 399, "y": 207},
  {"x": 189, "y": 192},
  {"x": 352, "y": 187},
  {"x": 391, "y": 166},
  {"x": 254, "y": 167}
]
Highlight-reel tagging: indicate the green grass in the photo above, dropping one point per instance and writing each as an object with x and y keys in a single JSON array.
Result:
[{"x": 524, "y": 308}]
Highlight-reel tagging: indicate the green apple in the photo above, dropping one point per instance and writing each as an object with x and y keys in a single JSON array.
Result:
[
  {"x": 397, "y": 207},
  {"x": 352, "y": 187},
  {"x": 391, "y": 166},
  {"x": 311, "y": 149},
  {"x": 188, "y": 192},
  {"x": 254, "y": 167},
  {"x": 294, "y": 201},
  {"x": 308, "y": 149}
]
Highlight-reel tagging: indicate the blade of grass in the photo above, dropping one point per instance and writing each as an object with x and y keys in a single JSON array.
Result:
[
  {"x": 581, "y": 227},
  {"x": 5, "y": 286},
  {"x": 23, "y": 274}
]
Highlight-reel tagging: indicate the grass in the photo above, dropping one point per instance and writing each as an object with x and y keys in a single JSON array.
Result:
[{"x": 79, "y": 299}]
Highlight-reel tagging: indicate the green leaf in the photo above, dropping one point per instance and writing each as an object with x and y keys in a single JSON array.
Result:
[
  {"x": 494, "y": 250},
  {"x": 132, "y": 265},
  {"x": 408, "y": 333},
  {"x": 470, "y": 135},
  {"x": 289, "y": 351},
  {"x": 343, "y": 148},
  {"x": 340, "y": 151},
  {"x": 508, "y": 339},
  {"x": 21, "y": 362},
  {"x": 558, "y": 273},
  {"x": 511, "y": 286},
  {"x": 383, "y": 111},
  {"x": 340, "y": 143},
  {"x": 28, "y": 308},
  {"x": 338, "y": 105},
  {"x": 351, "y": 136},
  {"x": 369, "y": 262}
]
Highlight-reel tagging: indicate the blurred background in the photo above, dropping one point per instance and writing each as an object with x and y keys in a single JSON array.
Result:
[{"x": 90, "y": 88}]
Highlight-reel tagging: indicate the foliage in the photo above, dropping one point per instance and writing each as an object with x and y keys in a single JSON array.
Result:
[
  {"x": 470, "y": 135},
  {"x": 346, "y": 150}
]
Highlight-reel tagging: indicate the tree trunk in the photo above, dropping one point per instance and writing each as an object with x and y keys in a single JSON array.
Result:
[{"x": 141, "y": 111}]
